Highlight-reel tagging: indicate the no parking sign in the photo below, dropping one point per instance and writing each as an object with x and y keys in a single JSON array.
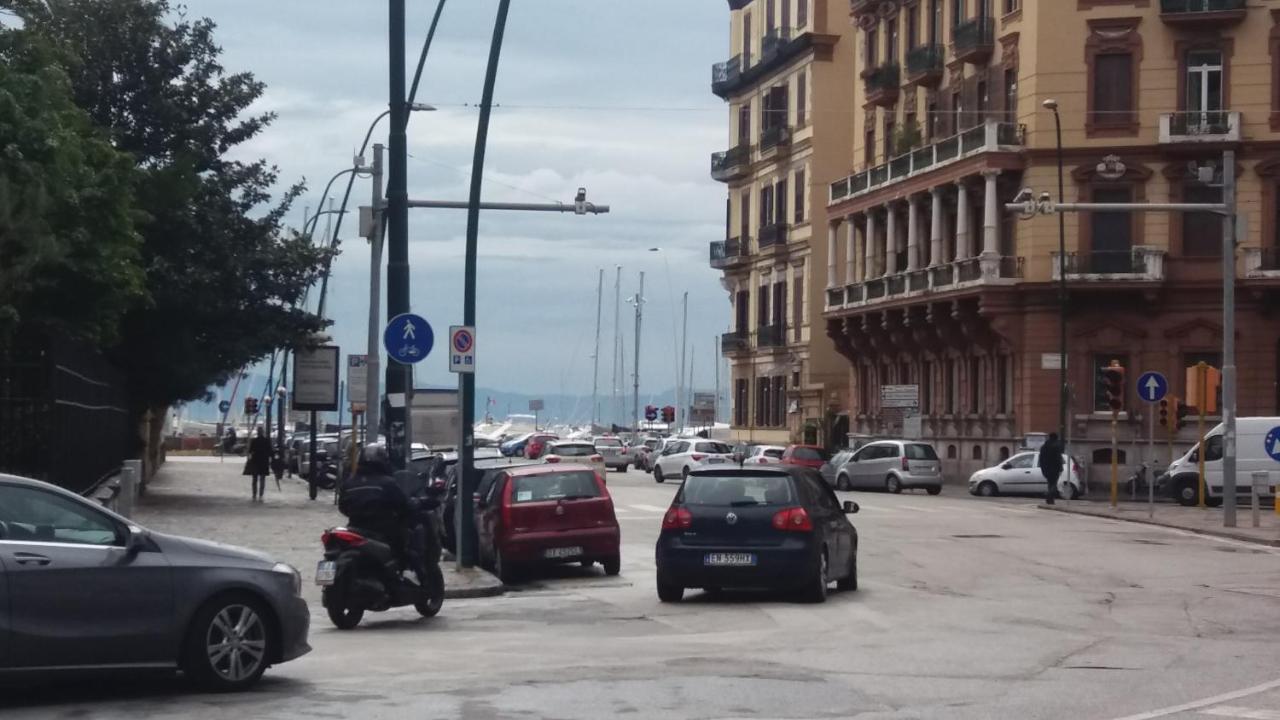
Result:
[{"x": 462, "y": 349}]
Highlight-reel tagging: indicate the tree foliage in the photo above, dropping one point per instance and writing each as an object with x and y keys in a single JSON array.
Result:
[
  {"x": 68, "y": 248},
  {"x": 222, "y": 272}
]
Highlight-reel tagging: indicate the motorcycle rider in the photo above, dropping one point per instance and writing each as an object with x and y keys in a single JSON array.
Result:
[{"x": 373, "y": 501}]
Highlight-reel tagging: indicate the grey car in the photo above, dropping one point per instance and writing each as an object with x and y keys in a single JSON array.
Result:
[
  {"x": 82, "y": 587},
  {"x": 892, "y": 465}
]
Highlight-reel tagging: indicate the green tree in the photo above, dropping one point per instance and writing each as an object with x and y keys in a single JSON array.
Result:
[
  {"x": 222, "y": 272},
  {"x": 68, "y": 248}
]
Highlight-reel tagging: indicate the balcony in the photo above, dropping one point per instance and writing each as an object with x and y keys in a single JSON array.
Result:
[
  {"x": 777, "y": 48},
  {"x": 974, "y": 40},
  {"x": 924, "y": 65},
  {"x": 914, "y": 284},
  {"x": 775, "y": 42},
  {"x": 724, "y": 75},
  {"x": 1262, "y": 262},
  {"x": 883, "y": 85},
  {"x": 773, "y": 234},
  {"x": 731, "y": 164},
  {"x": 1141, "y": 264},
  {"x": 1200, "y": 127},
  {"x": 777, "y": 137},
  {"x": 861, "y": 7},
  {"x": 1202, "y": 13},
  {"x": 991, "y": 136},
  {"x": 734, "y": 342},
  {"x": 727, "y": 253},
  {"x": 771, "y": 336}
]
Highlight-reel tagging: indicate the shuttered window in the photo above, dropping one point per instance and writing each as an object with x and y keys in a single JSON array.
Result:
[{"x": 1113, "y": 89}]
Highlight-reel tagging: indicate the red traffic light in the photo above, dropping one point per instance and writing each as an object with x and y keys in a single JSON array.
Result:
[
  {"x": 668, "y": 414},
  {"x": 1113, "y": 382},
  {"x": 1164, "y": 413}
]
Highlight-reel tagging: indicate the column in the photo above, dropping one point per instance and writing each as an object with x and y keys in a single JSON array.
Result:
[
  {"x": 890, "y": 240},
  {"x": 962, "y": 221},
  {"x": 913, "y": 233},
  {"x": 869, "y": 248},
  {"x": 990, "y": 214},
  {"x": 936, "y": 229},
  {"x": 833, "y": 234},
  {"x": 851, "y": 253}
]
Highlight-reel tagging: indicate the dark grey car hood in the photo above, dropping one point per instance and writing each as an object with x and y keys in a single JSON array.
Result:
[{"x": 210, "y": 549}]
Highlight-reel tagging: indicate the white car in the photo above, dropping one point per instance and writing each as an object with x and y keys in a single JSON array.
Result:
[
  {"x": 764, "y": 455},
  {"x": 615, "y": 453},
  {"x": 578, "y": 452},
  {"x": 683, "y": 455},
  {"x": 1019, "y": 475}
]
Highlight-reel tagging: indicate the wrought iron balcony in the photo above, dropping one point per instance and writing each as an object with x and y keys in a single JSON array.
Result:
[
  {"x": 771, "y": 336},
  {"x": 974, "y": 40},
  {"x": 1200, "y": 127},
  {"x": 920, "y": 284},
  {"x": 776, "y": 136},
  {"x": 1140, "y": 264},
  {"x": 731, "y": 164},
  {"x": 775, "y": 234},
  {"x": 724, "y": 75},
  {"x": 1202, "y": 13},
  {"x": 735, "y": 342},
  {"x": 725, "y": 253},
  {"x": 924, "y": 65},
  {"x": 883, "y": 84}
]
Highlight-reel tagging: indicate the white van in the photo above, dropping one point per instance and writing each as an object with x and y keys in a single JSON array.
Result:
[{"x": 1181, "y": 480}]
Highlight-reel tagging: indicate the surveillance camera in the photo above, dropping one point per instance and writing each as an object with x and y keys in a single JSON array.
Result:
[
  {"x": 1044, "y": 197},
  {"x": 1024, "y": 195}
]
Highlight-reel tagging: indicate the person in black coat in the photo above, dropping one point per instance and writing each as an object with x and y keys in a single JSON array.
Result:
[
  {"x": 1050, "y": 463},
  {"x": 259, "y": 463}
]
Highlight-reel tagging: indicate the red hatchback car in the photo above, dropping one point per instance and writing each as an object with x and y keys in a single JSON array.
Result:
[
  {"x": 537, "y": 444},
  {"x": 533, "y": 515},
  {"x": 810, "y": 456}
]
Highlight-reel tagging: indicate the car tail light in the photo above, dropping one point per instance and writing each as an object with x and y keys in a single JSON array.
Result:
[
  {"x": 677, "y": 518},
  {"x": 341, "y": 535},
  {"x": 763, "y": 460},
  {"x": 792, "y": 520},
  {"x": 597, "y": 458},
  {"x": 507, "y": 520},
  {"x": 699, "y": 458},
  {"x": 906, "y": 464},
  {"x": 553, "y": 459}
]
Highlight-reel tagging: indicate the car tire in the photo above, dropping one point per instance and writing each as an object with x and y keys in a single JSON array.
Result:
[
  {"x": 612, "y": 565},
  {"x": 1188, "y": 493},
  {"x": 849, "y": 583},
  {"x": 893, "y": 484},
  {"x": 669, "y": 592},
  {"x": 684, "y": 474},
  {"x": 230, "y": 629},
  {"x": 842, "y": 482},
  {"x": 816, "y": 589},
  {"x": 430, "y": 607},
  {"x": 934, "y": 489},
  {"x": 986, "y": 488},
  {"x": 1212, "y": 501},
  {"x": 657, "y": 474},
  {"x": 586, "y": 563}
]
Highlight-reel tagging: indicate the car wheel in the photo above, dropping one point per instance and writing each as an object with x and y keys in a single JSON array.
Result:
[
  {"x": 503, "y": 568},
  {"x": 345, "y": 618},
  {"x": 849, "y": 582},
  {"x": 586, "y": 563},
  {"x": 1212, "y": 501},
  {"x": 612, "y": 565},
  {"x": 230, "y": 643},
  {"x": 430, "y": 606},
  {"x": 669, "y": 592},
  {"x": 842, "y": 482},
  {"x": 816, "y": 592},
  {"x": 893, "y": 484},
  {"x": 657, "y": 474},
  {"x": 1188, "y": 493},
  {"x": 934, "y": 489},
  {"x": 986, "y": 488}
]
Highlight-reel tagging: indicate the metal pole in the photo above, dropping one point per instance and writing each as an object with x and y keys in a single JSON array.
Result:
[
  {"x": 466, "y": 543},
  {"x": 595, "y": 358},
  {"x": 1115, "y": 460},
  {"x": 1229, "y": 340},
  {"x": 715, "y": 357},
  {"x": 282, "y": 400},
  {"x": 397, "y": 230},
  {"x": 1202, "y": 379},
  {"x": 373, "y": 398},
  {"x": 313, "y": 488},
  {"x": 1151, "y": 451},
  {"x": 682, "y": 418},
  {"x": 635, "y": 402},
  {"x": 1063, "y": 392},
  {"x": 557, "y": 207},
  {"x": 614, "y": 408}
]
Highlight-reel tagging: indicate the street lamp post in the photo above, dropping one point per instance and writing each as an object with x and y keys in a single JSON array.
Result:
[{"x": 1063, "y": 393}]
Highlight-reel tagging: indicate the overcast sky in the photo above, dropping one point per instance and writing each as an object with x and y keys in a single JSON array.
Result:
[{"x": 611, "y": 95}]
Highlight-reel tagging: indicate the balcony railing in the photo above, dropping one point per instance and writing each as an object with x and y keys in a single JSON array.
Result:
[
  {"x": 731, "y": 163},
  {"x": 768, "y": 336},
  {"x": 942, "y": 276},
  {"x": 725, "y": 74},
  {"x": 1179, "y": 7},
  {"x": 1141, "y": 263},
  {"x": 775, "y": 136},
  {"x": 924, "y": 64},
  {"x": 854, "y": 293},
  {"x": 734, "y": 342},
  {"x": 883, "y": 84},
  {"x": 1199, "y": 127},
  {"x": 969, "y": 270},
  {"x": 960, "y": 274},
  {"x": 774, "y": 41},
  {"x": 835, "y": 297},
  {"x": 974, "y": 40},
  {"x": 773, "y": 234},
  {"x": 727, "y": 252},
  {"x": 991, "y": 136}
]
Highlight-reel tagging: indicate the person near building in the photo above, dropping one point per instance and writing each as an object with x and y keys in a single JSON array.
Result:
[{"x": 1050, "y": 463}]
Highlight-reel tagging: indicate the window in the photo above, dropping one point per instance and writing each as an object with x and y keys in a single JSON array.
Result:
[
  {"x": 1023, "y": 461},
  {"x": 1113, "y": 102},
  {"x": 934, "y": 122},
  {"x": 935, "y": 22},
  {"x": 762, "y": 402},
  {"x": 774, "y": 113},
  {"x": 740, "y": 402},
  {"x": 1011, "y": 6},
  {"x": 920, "y": 451},
  {"x": 952, "y": 453},
  {"x": 742, "y": 307},
  {"x": 1201, "y": 232},
  {"x": 780, "y": 401},
  {"x": 780, "y": 307},
  {"x": 1213, "y": 448},
  {"x": 802, "y": 13},
  {"x": 766, "y": 206},
  {"x": 730, "y": 491},
  {"x": 746, "y": 40},
  {"x": 786, "y": 16},
  {"x": 744, "y": 124},
  {"x": 1004, "y": 452},
  {"x": 957, "y": 13},
  {"x": 41, "y": 516},
  {"x": 802, "y": 99},
  {"x": 1100, "y": 361},
  {"x": 801, "y": 188},
  {"x": 984, "y": 102},
  {"x": 913, "y": 25},
  {"x": 769, "y": 15},
  {"x": 977, "y": 452},
  {"x": 795, "y": 380},
  {"x": 1004, "y": 380},
  {"x": 797, "y": 311},
  {"x": 1011, "y": 95},
  {"x": 1111, "y": 234},
  {"x": 762, "y": 307},
  {"x": 889, "y": 130},
  {"x": 949, "y": 387},
  {"x": 780, "y": 198},
  {"x": 873, "y": 51},
  {"x": 1204, "y": 88},
  {"x": 891, "y": 38},
  {"x": 869, "y": 147},
  {"x": 957, "y": 112}
]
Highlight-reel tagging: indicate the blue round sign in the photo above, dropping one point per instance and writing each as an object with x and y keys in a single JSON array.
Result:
[
  {"x": 224, "y": 407},
  {"x": 1152, "y": 387},
  {"x": 408, "y": 339},
  {"x": 1272, "y": 443}
]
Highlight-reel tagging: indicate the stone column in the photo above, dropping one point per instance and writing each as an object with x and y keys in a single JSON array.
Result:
[
  {"x": 913, "y": 233},
  {"x": 990, "y": 214},
  {"x": 833, "y": 234},
  {"x": 937, "y": 228},
  {"x": 869, "y": 248},
  {"x": 851, "y": 253},
  {"x": 890, "y": 240},
  {"x": 963, "y": 249}
]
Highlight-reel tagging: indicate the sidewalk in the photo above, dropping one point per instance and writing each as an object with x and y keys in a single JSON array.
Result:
[
  {"x": 204, "y": 498},
  {"x": 1206, "y": 521}
]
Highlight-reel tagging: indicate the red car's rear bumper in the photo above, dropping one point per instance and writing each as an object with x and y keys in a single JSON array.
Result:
[{"x": 596, "y": 543}]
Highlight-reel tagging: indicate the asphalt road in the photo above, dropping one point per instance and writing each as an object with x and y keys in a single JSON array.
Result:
[{"x": 967, "y": 609}]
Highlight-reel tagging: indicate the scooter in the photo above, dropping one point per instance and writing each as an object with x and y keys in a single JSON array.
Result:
[{"x": 1137, "y": 482}]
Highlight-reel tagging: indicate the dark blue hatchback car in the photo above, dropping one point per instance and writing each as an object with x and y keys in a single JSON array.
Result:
[{"x": 776, "y": 527}]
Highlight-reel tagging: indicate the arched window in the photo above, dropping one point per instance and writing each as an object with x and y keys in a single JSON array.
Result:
[
  {"x": 977, "y": 452},
  {"x": 951, "y": 452},
  {"x": 1004, "y": 453}
]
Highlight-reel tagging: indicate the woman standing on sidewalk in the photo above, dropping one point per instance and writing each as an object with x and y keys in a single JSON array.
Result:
[{"x": 259, "y": 463}]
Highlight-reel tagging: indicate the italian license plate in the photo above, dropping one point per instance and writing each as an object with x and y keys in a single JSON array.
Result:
[
  {"x": 562, "y": 552},
  {"x": 325, "y": 572},
  {"x": 715, "y": 460},
  {"x": 730, "y": 560}
]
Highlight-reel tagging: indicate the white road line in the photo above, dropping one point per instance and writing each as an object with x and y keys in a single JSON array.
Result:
[
  {"x": 650, "y": 508},
  {"x": 1240, "y": 712},
  {"x": 1197, "y": 704}
]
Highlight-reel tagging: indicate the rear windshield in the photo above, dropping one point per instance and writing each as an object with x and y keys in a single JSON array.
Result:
[
  {"x": 774, "y": 453},
  {"x": 811, "y": 454},
  {"x": 737, "y": 491},
  {"x": 714, "y": 447},
  {"x": 575, "y": 450},
  {"x": 608, "y": 442},
  {"x": 554, "y": 486},
  {"x": 921, "y": 452}
]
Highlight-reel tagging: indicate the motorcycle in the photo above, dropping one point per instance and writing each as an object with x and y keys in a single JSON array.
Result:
[
  {"x": 364, "y": 572},
  {"x": 1137, "y": 483}
]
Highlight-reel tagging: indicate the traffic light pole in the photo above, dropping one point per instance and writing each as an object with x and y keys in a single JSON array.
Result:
[{"x": 1151, "y": 453}]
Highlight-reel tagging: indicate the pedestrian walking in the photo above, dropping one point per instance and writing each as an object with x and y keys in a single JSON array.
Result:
[
  {"x": 1050, "y": 463},
  {"x": 259, "y": 463}
]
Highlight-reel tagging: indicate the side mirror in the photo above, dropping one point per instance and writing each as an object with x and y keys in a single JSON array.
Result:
[
  {"x": 850, "y": 507},
  {"x": 1006, "y": 466},
  {"x": 135, "y": 540}
]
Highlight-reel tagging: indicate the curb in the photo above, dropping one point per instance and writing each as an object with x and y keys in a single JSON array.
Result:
[
  {"x": 1172, "y": 526},
  {"x": 471, "y": 593},
  {"x": 480, "y": 584}
]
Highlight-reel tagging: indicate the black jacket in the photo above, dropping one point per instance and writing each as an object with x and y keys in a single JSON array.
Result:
[
  {"x": 1050, "y": 460},
  {"x": 374, "y": 501}
]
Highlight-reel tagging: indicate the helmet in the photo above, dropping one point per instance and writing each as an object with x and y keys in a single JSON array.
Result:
[{"x": 374, "y": 460}]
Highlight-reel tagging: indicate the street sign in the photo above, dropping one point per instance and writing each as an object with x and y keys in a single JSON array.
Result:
[
  {"x": 224, "y": 407},
  {"x": 408, "y": 339},
  {"x": 535, "y": 406},
  {"x": 462, "y": 349},
  {"x": 315, "y": 379},
  {"x": 1272, "y": 444},
  {"x": 899, "y": 396},
  {"x": 357, "y": 381},
  {"x": 1152, "y": 387},
  {"x": 1050, "y": 361}
]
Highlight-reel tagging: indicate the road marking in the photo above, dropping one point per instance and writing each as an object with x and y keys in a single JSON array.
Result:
[
  {"x": 650, "y": 508},
  {"x": 1240, "y": 712},
  {"x": 1197, "y": 704}
]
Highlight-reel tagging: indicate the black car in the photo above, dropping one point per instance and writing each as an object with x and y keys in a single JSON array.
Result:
[
  {"x": 444, "y": 470},
  {"x": 778, "y": 527}
]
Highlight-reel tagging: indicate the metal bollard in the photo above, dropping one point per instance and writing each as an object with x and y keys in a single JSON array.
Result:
[
  {"x": 130, "y": 476},
  {"x": 1259, "y": 484}
]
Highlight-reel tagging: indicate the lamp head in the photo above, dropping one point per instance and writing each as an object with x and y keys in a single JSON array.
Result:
[{"x": 1050, "y": 104}]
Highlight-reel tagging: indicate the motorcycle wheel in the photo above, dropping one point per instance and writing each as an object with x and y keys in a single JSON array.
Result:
[
  {"x": 345, "y": 618},
  {"x": 430, "y": 607}
]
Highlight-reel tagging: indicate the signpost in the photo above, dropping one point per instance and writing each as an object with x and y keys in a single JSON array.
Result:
[
  {"x": 315, "y": 390},
  {"x": 408, "y": 340},
  {"x": 462, "y": 349},
  {"x": 535, "y": 407},
  {"x": 357, "y": 391},
  {"x": 904, "y": 402},
  {"x": 1152, "y": 388}
]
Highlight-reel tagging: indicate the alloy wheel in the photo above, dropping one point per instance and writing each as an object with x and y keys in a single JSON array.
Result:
[{"x": 236, "y": 643}]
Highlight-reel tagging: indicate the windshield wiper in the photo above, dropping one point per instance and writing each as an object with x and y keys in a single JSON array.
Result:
[{"x": 744, "y": 503}]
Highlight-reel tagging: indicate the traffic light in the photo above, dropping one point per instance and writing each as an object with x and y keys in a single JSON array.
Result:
[
  {"x": 1113, "y": 382},
  {"x": 1163, "y": 413},
  {"x": 1181, "y": 412},
  {"x": 650, "y": 413},
  {"x": 251, "y": 406},
  {"x": 668, "y": 414}
]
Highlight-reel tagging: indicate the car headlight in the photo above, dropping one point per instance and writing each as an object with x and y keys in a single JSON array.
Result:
[{"x": 292, "y": 572}]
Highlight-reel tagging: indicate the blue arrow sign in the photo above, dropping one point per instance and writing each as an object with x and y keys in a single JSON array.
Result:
[
  {"x": 1152, "y": 387},
  {"x": 224, "y": 407},
  {"x": 1272, "y": 443},
  {"x": 408, "y": 339}
]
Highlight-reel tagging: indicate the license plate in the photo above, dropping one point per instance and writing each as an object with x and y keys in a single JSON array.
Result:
[
  {"x": 715, "y": 460},
  {"x": 564, "y": 552},
  {"x": 730, "y": 559},
  {"x": 325, "y": 572}
]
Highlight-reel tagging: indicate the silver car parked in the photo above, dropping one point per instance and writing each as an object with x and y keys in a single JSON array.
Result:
[
  {"x": 892, "y": 465},
  {"x": 82, "y": 587}
]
